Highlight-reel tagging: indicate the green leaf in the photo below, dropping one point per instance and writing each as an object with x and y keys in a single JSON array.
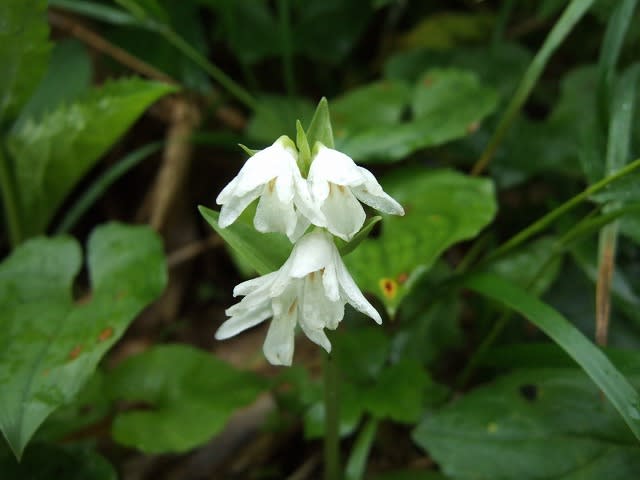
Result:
[
  {"x": 264, "y": 252},
  {"x": 51, "y": 343},
  {"x": 445, "y": 30},
  {"x": 276, "y": 116},
  {"x": 605, "y": 375},
  {"x": 442, "y": 208},
  {"x": 447, "y": 104},
  {"x": 542, "y": 424},
  {"x": 368, "y": 106},
  {"x": 51, "y": 155},
  {"x": 46, "y": 462},
  {"x": 185, "y": 397},
  {"x": 320, "y": 129},
  {"x": 24, "y": 52},
  {"x": 68, "y": 77}
]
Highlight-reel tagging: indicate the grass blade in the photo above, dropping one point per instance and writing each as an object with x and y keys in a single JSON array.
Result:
[
  {"x": 101, "y": 185},
  {"x": 561, "y": 29},
  {"x": 591, "y": 359}
]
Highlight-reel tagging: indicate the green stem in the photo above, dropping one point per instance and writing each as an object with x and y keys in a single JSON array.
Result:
[
  {"x": 10, "y": 201},
  {"x": 332, "y": 420},
  {"x": 545, "y": 221},
  {"x": 284, "y": 12},
  {"x": 218, "y": 75}
]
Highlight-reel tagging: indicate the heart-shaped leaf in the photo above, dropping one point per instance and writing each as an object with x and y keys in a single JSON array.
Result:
[
  {"x": 50, "y": 344},
  {"x": 185, "y": 395},
  {"x": 442, "y": 207}
]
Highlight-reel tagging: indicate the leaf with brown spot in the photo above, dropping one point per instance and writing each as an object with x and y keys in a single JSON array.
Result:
[{"x": 49, "y": 330}]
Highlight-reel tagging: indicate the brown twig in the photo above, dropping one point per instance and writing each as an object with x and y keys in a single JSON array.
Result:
[
  {"x": 603, "y": 287},
  {"x": 100, "y": 44},
  {"x": 192, "y": 250},
  {"x": 176, "y": 159}
]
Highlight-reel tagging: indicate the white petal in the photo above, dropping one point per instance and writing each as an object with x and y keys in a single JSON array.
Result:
[
  {"x": 227, "y": 192},
  {"x": 232, "y": 209},
  {"x": 240, "y": 323},
  {"x": 302, "y": 224},
  {"x": 272, "y": 215},
  {"x": 330, "y": 280},
  {"x": 317, "y": 336},
  {"x": 343, "y": 213},
  {"x": 352, "y": 294},
  {"x": 249, "y": 286},
  {"x": 265, "y": 165},
  {"x": 333, "y": 166},
  {"x": 305, "y": 203},
  {"x": 372, "y": 194},
  {"x": 317, "y": 310},
  {"x": 279, "y": 344},
  {"x": 311, "y": 253}
]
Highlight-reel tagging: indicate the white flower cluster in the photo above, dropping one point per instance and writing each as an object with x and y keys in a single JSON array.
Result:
[{"x": 313, "y": 286}]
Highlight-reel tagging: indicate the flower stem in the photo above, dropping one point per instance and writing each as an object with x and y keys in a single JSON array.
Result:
[{"x": 332, "y": 419}]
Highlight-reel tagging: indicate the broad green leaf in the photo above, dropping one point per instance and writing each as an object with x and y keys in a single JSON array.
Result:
[
  {"x": 535, "y": 424},
  {"x": 51, "y": 342},
  {"x": 68, "y": 77},
  {"x": 424, "y": 334},
  {"x": 87, "y": 408},
  {"x": 320, "y": 128},
  {"x": 447, "y": 29},
  {"x": 366, "y": 380},
  {"x": 499, "y": 66},
  {"x": 442, "y": 207},
  {"x": 24, "y": 52},
  {"x": 605, "y": 375},
  {"x": 264, "y": 252},
  {"x": 185, "y": 395},
  {"x": 276, "y": 116},
  {"x": 47, "y": 462},
  {"x": 372, "y": 105},
  {"x": 446, "y": 105},
  {"x": 51, "y": 155},
  {"x": 348, "y": 20}
]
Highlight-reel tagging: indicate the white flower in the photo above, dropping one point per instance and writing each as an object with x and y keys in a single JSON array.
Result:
[
  {"x": 336, "y": 185},
  {"x": 273, "y": 175},
  {"x": 310, "y": 289}
]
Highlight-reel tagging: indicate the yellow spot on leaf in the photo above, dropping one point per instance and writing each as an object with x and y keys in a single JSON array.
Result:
[
  {"x": 492, "y": 427},
  {"x": 389, "y": 287}
]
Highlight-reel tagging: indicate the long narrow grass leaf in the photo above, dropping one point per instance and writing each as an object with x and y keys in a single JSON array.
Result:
[
  {"x": 591, "y": 359},
  {"x": 572, "y": 14},
  {"x": 102, "y": 183}
]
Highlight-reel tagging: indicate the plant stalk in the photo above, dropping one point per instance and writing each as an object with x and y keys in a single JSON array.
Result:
[{"x": 332, "y": 419}]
